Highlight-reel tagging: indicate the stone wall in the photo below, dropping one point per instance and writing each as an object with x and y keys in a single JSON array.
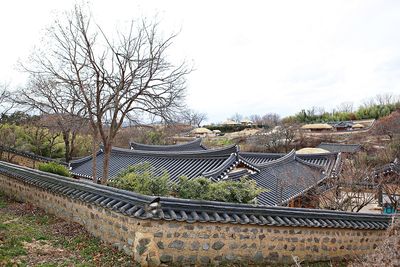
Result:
[
  {"x": 18, "y": 159},
  {"x": 155, "y": 242}
]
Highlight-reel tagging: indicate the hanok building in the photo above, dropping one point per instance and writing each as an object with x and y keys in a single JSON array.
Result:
[
  {"x": 230, "y": 123},
  {"x": 342, "y": 125},
  {"x": 357, "y": 126},
  {"x": 201, "y": 132},
  {"x": 246, "y": 122},
  {"x": 284, "y": 176},
  {"x": 317, "y": 127}
]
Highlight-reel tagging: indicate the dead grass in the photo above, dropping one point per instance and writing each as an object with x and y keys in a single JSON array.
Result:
[{"x": 30, "y": 237}]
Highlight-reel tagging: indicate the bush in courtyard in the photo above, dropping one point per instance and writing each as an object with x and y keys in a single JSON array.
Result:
[
  {"x": 243, "y": 191},
  {"x": 55, "y": 168},
  {"x": 142, "y": 178},
  {"x": 198, "y": 188}
]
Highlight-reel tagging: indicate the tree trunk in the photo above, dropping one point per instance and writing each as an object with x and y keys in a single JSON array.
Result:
[
  {"x": 106, "y": 161},
  {"x": 94, "y": 157},
  {"x": 67, "y": 147},
  {"x": 72, "y": 146}
]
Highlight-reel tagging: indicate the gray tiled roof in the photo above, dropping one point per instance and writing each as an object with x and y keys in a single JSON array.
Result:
[
  {"x": 325, "y": 159},
  {"x": 290, "y": 175},
  {"x": 336, "y": 124},
  {"x": 189, "y": 146},
  {"x": 283, "y": 176},
  {"x": 393, "y": 167},
  {"x": 177, "y": 163},
  {"x": 345, "y": 148},
  {"x": 171, "y": 209}
]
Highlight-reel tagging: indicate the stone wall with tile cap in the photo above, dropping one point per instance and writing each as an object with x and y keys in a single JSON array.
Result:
[{"x": 156, "y": 242}]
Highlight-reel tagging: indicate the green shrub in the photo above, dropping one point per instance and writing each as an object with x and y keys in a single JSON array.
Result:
[
  {"x": 54, "y": 167},
  {"x": 198, "y": 188},
  {"x": 143, "y": 179},
  {"x": 243, "y": 191}
]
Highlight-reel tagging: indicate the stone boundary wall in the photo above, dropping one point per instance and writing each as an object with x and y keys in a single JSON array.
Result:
[
  {"x": 19, "y": 159},
  {"x": 155, "y": 242}
]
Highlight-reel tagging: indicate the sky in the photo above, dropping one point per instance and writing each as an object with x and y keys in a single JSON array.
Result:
[{"x": 249, "y": 57}]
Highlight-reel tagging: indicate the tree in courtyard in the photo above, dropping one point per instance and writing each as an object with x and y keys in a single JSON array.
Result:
[
  {"x": 351, "y": 191},
  {"x": 114, "y": 78}
]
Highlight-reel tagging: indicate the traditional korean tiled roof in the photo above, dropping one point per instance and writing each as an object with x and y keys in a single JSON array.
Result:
[
  {"x": 29, "y": 155},
  {"x": 172, "y": 209},
  {"x": 287, "y": 177},
  {"x": 283, "y": 176},
  {"x": 324, "y": 159},
  {"x": 189, "y": 146},
  {"x": 393, "y": 167},
  {"x": 177, "y": 163},
  {"x": 341, "y": 124},
  {"x": 344, "y": 148}
]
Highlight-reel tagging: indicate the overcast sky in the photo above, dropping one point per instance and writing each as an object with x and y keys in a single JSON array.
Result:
[{"x": 250, "y": 57}]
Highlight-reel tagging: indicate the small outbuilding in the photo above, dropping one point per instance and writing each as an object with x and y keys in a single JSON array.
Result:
[
  {"x": 317, "y": 127},
  {"x": 357, "y": 126},
  {"x": 202, "y": 132},
  {"x": 312, "y": 150},
  {"x": 246, "y": 122},
  {"x": 230, "y": 122}
]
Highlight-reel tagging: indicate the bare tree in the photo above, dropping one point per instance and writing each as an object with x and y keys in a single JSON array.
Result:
[
  {"x": 385, "y": 99},
  {"x": 389, "y": 183},
  {"x": 236, "y": 117},
  {"x": 270, "y": 119},
  {"x": 351, "y": 191},
  {"x": 256, "y": 119},
  {"x": 280, "y": 139},
  {"x": 5, "y": 105},
  {"x": 114, "y": 78},
  {"x": 193, "y": 118},
  {"x": 345, "y": 107},
  {"x": 61, "y": 107}
]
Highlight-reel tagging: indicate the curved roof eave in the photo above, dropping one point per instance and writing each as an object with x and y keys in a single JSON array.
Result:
[{"x": 189, "y": 146}]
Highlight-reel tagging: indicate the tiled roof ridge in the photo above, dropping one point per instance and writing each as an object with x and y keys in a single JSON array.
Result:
[
  {"x": 291, "y": 156},
  {"x": 219, "y": 171},
  {"x": 136, "y": 205},
  {"x": 393, "y": 166},
  {"x": 191, "y": 144},
  {"x": 261, "y": 154},
  {"x": 30, "y": 155},
  {"x": 312, "y": 165},
  {"x": 247, "y": 163},
  {"x": 77, "y": 162},
  {"x": 226, "y": 167},
  {"x": 219, "y": 152}
]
